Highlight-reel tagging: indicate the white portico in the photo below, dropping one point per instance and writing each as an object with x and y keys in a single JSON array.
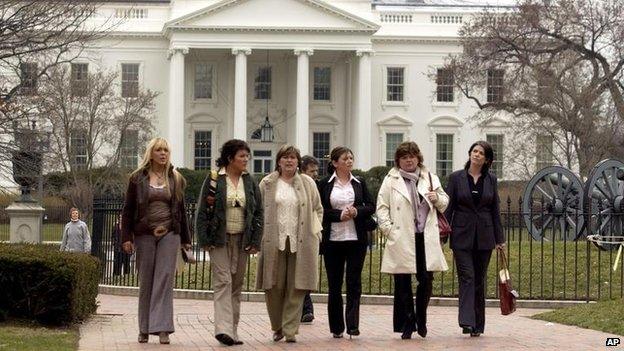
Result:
[{"x": 288, "y": 36}]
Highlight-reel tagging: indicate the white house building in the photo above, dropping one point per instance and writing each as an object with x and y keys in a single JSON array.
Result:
[{"x": 360, "y": 73}]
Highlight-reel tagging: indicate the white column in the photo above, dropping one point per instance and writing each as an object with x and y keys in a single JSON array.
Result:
[
  {"x": 240, "y": 93},
  {"x": 302, "y": 119},
  {"x": 362, "y": 123},
  {"x": 176, "y": 105}
]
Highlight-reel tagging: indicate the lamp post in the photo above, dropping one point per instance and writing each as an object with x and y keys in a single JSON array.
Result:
[{"x": 28, "y": 158}]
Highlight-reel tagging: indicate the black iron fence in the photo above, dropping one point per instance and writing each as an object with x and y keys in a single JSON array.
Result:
[
  {"x": 545, "y": 262},
  {"x": 551, "y": 267}
]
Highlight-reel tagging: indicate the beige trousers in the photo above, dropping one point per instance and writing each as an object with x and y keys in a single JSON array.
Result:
[
  {"x": 228, "y": 265},
  {"x": 283, "y": 301}
]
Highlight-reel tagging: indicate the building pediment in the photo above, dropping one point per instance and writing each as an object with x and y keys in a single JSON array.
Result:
[
  {"x": 324, "y": 120},
  {"x": 445, "y": 121},
  {"x": 272, "y": 15},
  {"x": 395, "y": 121}
]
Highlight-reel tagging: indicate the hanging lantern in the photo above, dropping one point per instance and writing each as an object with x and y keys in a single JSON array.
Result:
[{"x": 266, "y": 133}]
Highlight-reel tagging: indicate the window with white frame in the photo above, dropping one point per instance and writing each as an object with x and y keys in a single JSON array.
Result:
[
  {"x": 495, "y": 85},
  {"x": 203, "y": 81},
  {"x": 262, "y": 162},
  {"x": 129, "y": 79},
  {"x": 262, "y": 83},
  {"x": 78, "y": 149},
  {"x": 392, "y": 142},
  {"x": 320, "y": 150},
  {"x": 444, "y": 155},
  {"x": 28, "y": 76},
  {"x": 544, "y": 151},
  {"x": 545, "y": 84},
  {"x": 322, "y": 84},
  {"x": 395, "y": 78},
  {"x": 129, "y": 150},
  {"x": 496, "y": 141},
  {"x": 445, "y": 82},
  {"x": 202, "y": 149},
  {"x": 79, "y": 78}
]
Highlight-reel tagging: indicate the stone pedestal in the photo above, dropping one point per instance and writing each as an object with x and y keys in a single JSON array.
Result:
[{"x": 25, "y": 222}]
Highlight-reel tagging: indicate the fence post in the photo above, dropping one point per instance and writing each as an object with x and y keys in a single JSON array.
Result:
[{"x": 98, "y": 229}]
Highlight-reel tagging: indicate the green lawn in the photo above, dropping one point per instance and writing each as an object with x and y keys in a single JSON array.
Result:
[
  {"x": 546, "y": 271},
  {"x": 605, "y": 315},
  {"x": 23, "y": 336},
  {"x": 51, "y": 231}
]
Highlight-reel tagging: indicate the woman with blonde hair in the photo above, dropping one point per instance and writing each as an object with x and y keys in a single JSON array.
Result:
[
  {"x": 288, "y": 262},
  {"x": 154, "y": 222}
]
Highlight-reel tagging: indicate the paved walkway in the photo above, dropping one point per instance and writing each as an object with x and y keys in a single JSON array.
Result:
[{"x": 114, "y": 327}]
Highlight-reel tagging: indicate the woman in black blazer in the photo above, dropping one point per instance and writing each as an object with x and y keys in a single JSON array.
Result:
[
  {"x": 475, "y": 219},
  {"x": 347, "y": 205}
]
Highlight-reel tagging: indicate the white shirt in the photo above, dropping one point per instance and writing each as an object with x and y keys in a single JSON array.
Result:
[
  {"x": 288, "y": 215},
  {"x": 342, "y": 195}
]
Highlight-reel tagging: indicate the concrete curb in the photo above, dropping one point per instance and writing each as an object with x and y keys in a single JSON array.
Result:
[{"x": 322, "y": 298}]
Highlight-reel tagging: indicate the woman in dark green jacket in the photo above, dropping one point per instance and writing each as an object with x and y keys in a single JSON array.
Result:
[{"x": 228, "y": 224}]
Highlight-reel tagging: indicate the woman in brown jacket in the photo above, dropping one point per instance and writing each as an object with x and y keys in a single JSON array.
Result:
[
  {"x": 288, "y": 263},
  {"x": 154, "y": 222}
]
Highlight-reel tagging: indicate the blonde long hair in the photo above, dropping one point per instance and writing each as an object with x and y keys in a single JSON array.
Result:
[{"x": 146, "y": 164}]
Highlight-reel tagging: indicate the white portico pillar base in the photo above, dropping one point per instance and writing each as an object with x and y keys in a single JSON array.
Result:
[
  {"x": 176, "y": 105},
  {"x": 302, "y": 119}
]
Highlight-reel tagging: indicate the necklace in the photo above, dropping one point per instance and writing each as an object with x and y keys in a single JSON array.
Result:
[{"x": 160, "y": 178}]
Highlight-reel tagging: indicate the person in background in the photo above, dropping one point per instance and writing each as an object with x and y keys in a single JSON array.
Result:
[
  {"x": 121, "y": 260},
  {"x": 309, "y": 167},
  {"x": 76, "y": 237},
  {"x": 228, "y": 224},
  {"x": 474, "y": 214},
  {"x": 154, "y": 221},
  {"x": 288, "y": 261}
]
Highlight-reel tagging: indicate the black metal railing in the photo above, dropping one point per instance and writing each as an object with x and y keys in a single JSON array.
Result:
[{"x": 552, "y": 267}]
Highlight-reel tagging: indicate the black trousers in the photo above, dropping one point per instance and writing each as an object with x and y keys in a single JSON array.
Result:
[
  {"x": 308, "y": 308},
  {"x": 339, "y": 254},
  {"x": 121, "y": 260},
  {"x": 471, "y": 272},
  {"x": 405, "y": 314}
]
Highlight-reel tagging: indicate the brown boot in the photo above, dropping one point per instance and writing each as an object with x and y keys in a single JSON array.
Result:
[
  {"x": 143, "y": 337},
  {"x": 163, "y": 337}
]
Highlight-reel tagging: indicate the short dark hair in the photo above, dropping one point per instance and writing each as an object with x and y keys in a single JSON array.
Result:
[
  {"x": 71, "y": 210},
  {"x": 285, "y": 151},
  {"x": 334, "y": 155},
  {"x": 489, "y": 155},
  {"x": 307, "y": 161},
  {"x": 408, "y": 148},
  {"x": 229, "y": 150}
]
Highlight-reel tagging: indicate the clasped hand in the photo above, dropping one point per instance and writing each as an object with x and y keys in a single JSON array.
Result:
[{"x": 348, "y": 213}]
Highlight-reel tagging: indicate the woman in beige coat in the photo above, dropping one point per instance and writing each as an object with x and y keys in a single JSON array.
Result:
[
  {"x": 288, "y": 262},
  {"x": 406, "y": 213}
]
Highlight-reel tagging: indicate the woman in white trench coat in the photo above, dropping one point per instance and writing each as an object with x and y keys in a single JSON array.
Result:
[{"x": 408, "y": 220}]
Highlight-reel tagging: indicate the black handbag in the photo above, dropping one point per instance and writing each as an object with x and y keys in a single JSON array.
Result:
[{"x": 370, "y": 223}]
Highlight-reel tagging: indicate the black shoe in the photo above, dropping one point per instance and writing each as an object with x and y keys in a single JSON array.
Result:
[
  {"x": 225, "y": 339},
  {"x": 353, "y": 332},
  {"x": 277, "y": 336},
  {"x": 422, "y": 331},
  {"x": 238, "y": 342},
  {"x": 407, "y": 334},
  {"x": 337, "y": 335},
  {"x": 466, "y": 330},
  {"x": 307, "y": 318}
]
